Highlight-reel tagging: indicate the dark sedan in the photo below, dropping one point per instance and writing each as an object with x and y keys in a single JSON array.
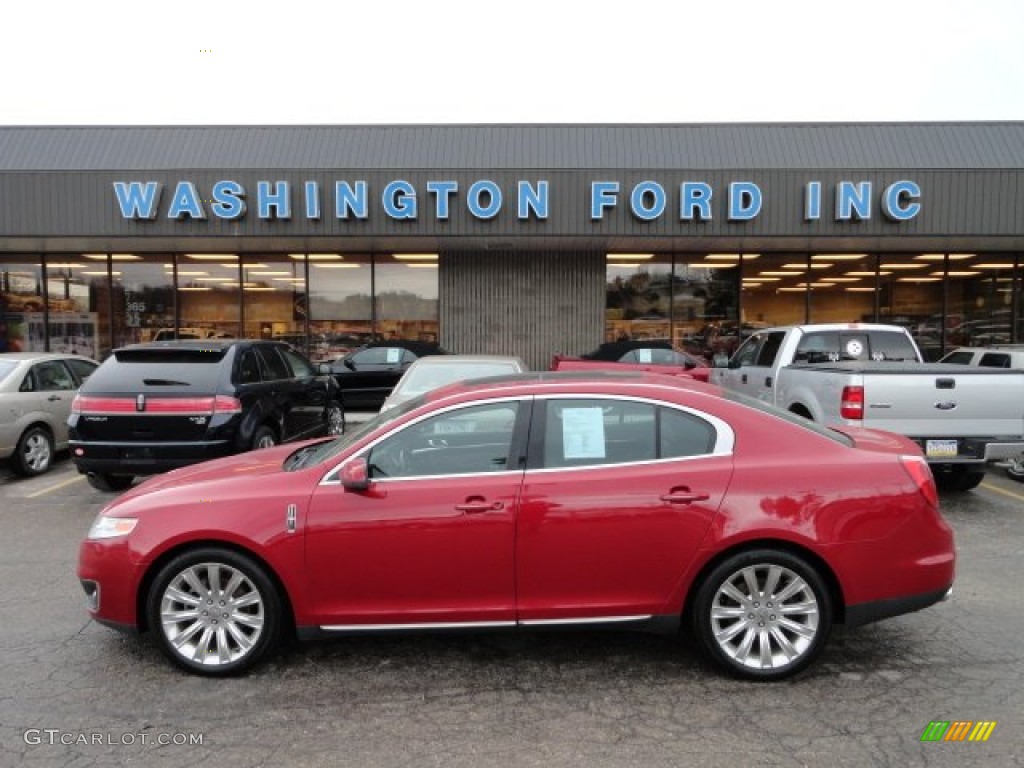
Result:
[{"x": 367, "y": 375}]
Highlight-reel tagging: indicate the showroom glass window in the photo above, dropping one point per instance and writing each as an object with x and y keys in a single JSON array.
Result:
[
  {"x": 980, "y": 299},
  {"x": 705, "y": 301},
  {"x": 638, "y": 296},
  {"x": 142, "y": 296},
  {"x": 910, "y": 295},
  {"x": 406, "y": 296},
  {"x": 340, "y": 301},
  {"x": 209, "y": 295},
  {"x": 274, "y": 300},
  {"x": 21, "y": 304},
  {"x": 78, "y": 297}
]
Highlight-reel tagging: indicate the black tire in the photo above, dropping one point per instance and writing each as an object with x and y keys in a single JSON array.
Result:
[
  {"x": 958, "y": 478},
  {"x": 220, "y": 638},
  {"x": 1015, "y": 469},
  {"x": 103, "y": 481},
  {"x": 263, "y": 437},
  {"x": 34, "y": 453},
  {"x": 754, "y": 639}
]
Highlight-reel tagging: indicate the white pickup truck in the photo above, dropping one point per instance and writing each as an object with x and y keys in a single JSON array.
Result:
[{"x": 869, "y": 375}]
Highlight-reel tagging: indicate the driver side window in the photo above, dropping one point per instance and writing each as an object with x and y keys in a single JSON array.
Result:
[{"x": 471, "y": 440}]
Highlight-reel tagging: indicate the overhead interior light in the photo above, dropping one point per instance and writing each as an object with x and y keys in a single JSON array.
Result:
[
  {"x": 98, "y": 272},
  {"x": 990, "y": 265},
  {"x": 791, "y": 290},
  {"x": 902, "y": 265},
  {"x": 195, "y": 288},
  {"x": 191, "y": 272},
  {"x": 803, "y": 267},
  {"x": 258, "y": 288},
  {"x": 761, "y": 279},
  {"x": 422, "y": 256},
  {"x": 959, "y": 273},
  {"x": 271, "y": 272},
  {"x": 860, "y": 289},
  {"x": 212, "y": 256},
  {"x": 346, "y": 265},
  {"x": 921, "y": 279},
  {"x": 838, "y": 256},
  {"x": 247, "y": 265},
  {"x": 422, "y": 266},
  {"x": 289, "y": 279},
  {"x": 781, "y": 273},
  {"x": 941, "y": 256},
  {"x": 623, "y": 266},
  {"x": 819, "y": 284},
  {"x": 725, "y": 256},
  {"x": 216, "y": 280},
  {"x": 63, "y": 265},
  {"x": 845, "y": 280},
  {"x": 751, "y": 284},
  {"x": 866, "y": 274},
  {"x": 113, "y": 256},
  {"x": 713, "y": 265}
]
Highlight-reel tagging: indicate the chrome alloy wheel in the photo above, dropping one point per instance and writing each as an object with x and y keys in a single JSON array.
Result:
[
  {"x": 212, "y": 614},
  {"x": 335, "y": 420},
  {"x": 36, "y": 453},
  {"x": 764, "y": 617}
]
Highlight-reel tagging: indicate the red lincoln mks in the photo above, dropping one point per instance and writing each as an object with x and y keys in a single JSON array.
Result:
[{"x": 633, "y": 501}]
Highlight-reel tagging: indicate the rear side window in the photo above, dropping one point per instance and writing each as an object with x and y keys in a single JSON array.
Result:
[
  {"x": 958, "y": 358},
  {"x": 995, "y": 360},
  {"x": 274, "y": 365},
  {"x": 593, "y": 432},
  {"x": 248, "y": 367},
  {"x": 158, "y": 370},
  {"x": 300, "y": 367},
  {"x": 891, "y": 346},
  {"x": 83, "y": 369},
  {"x": 770, "y": 349}
]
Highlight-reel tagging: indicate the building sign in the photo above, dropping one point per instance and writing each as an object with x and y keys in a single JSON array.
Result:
[{"x": 484, "y": 199}]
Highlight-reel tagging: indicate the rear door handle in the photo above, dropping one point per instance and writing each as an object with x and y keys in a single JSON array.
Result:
[
  {"x": 685, "y": 497},
  {"x": 479, "y": 506},
  {"x": 53, "y": 398},
  {"x": 743, "y": 378}
]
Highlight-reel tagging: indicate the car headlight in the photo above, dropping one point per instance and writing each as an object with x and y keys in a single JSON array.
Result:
[{"x": 105, "y": 527}]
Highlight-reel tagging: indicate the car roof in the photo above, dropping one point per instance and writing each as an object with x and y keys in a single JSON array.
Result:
[
  {"x": 637, "y": 383},
  {"x": 36, "y": 356},
  {"x": 197, "y": 344}
]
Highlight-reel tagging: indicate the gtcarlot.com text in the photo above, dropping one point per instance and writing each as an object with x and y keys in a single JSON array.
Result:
[{"x": 54, "y": 736}]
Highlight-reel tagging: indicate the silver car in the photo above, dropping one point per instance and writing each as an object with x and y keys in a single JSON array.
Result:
[
  {"x": 435, "y": 371},
  {"x": 36, "y": 390}
]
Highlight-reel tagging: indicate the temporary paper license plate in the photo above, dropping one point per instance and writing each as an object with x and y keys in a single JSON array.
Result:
[{"x": 940, "y": 449}]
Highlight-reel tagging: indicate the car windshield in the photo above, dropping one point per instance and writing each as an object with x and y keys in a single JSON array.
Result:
[
  {"x": 5, "y": 369},
  {"x": 321, "y": 452},
  {"x": 429, "y": 377}
]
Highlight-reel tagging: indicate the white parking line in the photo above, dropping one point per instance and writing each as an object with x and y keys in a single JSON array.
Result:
[
  {"x": 997, "y": 489},
  {"x": 56, "y": 487}
]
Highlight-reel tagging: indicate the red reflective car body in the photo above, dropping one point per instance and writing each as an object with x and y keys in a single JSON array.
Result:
[{"x": 636, "y": 501}]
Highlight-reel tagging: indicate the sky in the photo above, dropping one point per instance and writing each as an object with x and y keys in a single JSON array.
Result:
[{"x": 245, "y": 62}]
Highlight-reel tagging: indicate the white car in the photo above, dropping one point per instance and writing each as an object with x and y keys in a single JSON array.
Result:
[
  {"x": 36, "y": 390},
  {"x": 1000, "y": 356},
  {"x": 435, "y": 371}
]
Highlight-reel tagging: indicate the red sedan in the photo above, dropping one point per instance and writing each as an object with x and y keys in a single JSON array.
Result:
[{"x": 635, "y": 501}]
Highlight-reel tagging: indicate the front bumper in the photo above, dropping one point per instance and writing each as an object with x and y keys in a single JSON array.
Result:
[{"x": 109, "y": 574}]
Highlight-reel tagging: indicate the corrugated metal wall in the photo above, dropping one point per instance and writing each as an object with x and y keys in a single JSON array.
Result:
[{"x": 527, "y": 304}]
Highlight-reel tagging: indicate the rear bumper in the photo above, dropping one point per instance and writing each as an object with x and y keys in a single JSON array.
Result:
[
  {"x": 976, "y": 450},
  {"x": 865, "y": 613},
  {"x": 117, "y": 458}
]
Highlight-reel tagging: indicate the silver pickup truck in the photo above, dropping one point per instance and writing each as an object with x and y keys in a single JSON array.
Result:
[{"x": 870, "y": 375}]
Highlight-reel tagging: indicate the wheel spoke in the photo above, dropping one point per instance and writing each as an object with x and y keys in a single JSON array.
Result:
[
  {"x": 765, "y": 647},
  {"x": 725, "y": 635},
  {"x": 784, "y": 644},
  {"x": 774, "y": 574},
  {"x": 223, "y": 652},
  {"x": 247, "y": 600},
  {"x": 213, "y": 578},
  {"x": 253, "y": 621},
  {"x": 794, "y": 586},
  {"x": 182, "y": 639},
  {"x": 233, "y": 583},
  {"x": 244, "y": 641},
  {"x": 800, "y": 608},
  {"x": 750, "y": 579},
  {"x": 176, "y": 595},
  {"x": 731, "y": 591},
  {"x": 728, "y": 612},
  {"x": 192, "y": 579},
  {"x": 743, "y": 652},
  {"x": 798, "y": 629},
  {"x": 176, "y": 617}
]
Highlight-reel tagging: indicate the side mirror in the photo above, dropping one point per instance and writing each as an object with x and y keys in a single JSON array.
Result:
[
  {"x": 355, "y": 475},
  {"x": 720, "y": 361},
  {"x": 349, "y": 364},
  {"x": 324, "y": 368}
]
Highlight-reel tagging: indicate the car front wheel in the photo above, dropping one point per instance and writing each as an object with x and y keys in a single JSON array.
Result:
[
  {"x": 214, "y": 611},
  {"x": 762, "y": 614},
  {"x": 34, "y": 452}
]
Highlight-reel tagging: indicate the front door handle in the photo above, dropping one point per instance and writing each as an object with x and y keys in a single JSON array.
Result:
[
  {"x": 477, "y": 505},
  {"x": 743, "y": 378},
  {"x": 53, "y": 398},
  {"x": 685, "y": 496}
]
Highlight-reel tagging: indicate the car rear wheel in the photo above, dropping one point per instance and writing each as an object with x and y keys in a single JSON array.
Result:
[
  {"x": 103, "y": 481},
  {"x": 335, "y": 420},
  {"x": 214, "y": 611},
  {"x": 264, "y": 437},
  {"x": 762, "y": 614},
  {"x": 1015, "y": 469},
  {"x": 34, "y": 452},
  {"x": 958, "y": 478}
]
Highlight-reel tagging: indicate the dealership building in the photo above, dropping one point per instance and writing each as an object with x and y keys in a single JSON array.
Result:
[{"x": 508, "y": 239}]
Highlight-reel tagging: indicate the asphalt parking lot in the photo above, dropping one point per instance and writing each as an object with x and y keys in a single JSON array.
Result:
[{"x": 73, "y": 693}]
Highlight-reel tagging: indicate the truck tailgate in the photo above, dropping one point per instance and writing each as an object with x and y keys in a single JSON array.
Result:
[{"x": 944, "y": 400}]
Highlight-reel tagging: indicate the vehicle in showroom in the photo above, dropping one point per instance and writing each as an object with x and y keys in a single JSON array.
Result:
[
  {"x": 436, "y": 371},
  {"x": 161, "y": 405},
  {"x": 367, "y": 375},
  {"x": 541, "y": 500},
  {"x": 652, "y": 355},
  {"x": 36, "y": 390}
]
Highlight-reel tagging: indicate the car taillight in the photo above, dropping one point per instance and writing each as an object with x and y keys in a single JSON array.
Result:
[
  {"x": 93, "y": 404},
  {"x": 921, "y": 474},
  {"x": 851, "y": 405},
  {"x": 225, "y": 404}
]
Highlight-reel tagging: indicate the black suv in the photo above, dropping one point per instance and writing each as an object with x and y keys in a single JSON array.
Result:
[{"x": 153, "y": 407}]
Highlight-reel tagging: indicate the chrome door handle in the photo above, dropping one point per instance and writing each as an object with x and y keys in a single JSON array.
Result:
[
  {"x": 685, "y": 498},
  {"x": 478, "y": 507}
]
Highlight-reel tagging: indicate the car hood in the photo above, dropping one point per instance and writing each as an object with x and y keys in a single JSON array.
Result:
[{"x": 219, "y": 474}]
